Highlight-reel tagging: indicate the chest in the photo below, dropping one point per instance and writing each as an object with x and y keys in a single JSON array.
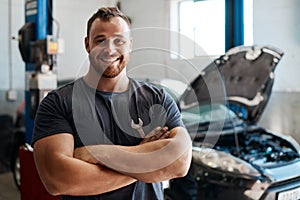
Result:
[
  {"x": 115, "y": 114},
  {"x": 106, "y": 118}
]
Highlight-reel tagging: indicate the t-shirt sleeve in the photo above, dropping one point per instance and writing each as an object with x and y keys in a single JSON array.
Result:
[
  {"x": 51, "y": 118},
  {"x": 172, "y": 111}
]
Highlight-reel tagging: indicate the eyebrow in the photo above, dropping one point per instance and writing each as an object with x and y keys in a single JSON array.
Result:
[
  {"x": 103, "y": 36},
  {"x": 99, "y": 36}
]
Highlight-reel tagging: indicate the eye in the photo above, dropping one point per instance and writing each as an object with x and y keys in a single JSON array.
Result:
[
  {"x": 119, "y": 41},
  {"x": 100, "y": 41}
]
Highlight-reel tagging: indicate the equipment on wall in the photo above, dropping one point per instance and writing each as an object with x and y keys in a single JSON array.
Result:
[{"x": 39, "y": 49}]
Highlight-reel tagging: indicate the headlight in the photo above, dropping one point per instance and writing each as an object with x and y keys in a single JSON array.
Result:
[{"x": 222, "y": 161}]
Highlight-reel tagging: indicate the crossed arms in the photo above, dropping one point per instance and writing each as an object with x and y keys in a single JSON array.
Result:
[{"x": 97, "y": 169}]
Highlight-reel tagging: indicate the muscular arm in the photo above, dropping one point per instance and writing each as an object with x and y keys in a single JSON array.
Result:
[
  {"x": 63, "y": 174},
  {"x": 154, "y": 161}
]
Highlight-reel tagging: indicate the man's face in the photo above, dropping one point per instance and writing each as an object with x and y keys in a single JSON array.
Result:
[{"x": 108, "y": 45}]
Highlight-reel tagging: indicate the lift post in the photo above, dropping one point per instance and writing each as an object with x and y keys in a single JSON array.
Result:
[
  {"x": 234, "y": 20},
  {"x": 39, "y": 50}
]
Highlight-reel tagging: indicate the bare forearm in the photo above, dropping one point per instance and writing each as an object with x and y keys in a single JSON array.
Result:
[
  {"x": 63, "y": 174},
  {"x": 82, "y": 178},
  {"x": 177, "y": 168},
  {"x": 150, "y": 162}
]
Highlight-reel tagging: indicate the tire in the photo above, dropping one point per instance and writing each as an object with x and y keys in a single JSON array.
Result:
[
  {"x": 16, "y": 172},
  {"x": 18, "y": 141}
]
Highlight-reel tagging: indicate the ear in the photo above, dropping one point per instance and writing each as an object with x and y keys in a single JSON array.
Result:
[{"x": 87, "y": 45}]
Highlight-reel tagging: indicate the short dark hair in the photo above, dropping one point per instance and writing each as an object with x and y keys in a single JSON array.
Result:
[{"x": 105, "y": 14}]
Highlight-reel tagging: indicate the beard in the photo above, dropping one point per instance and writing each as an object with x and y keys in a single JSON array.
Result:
[
  {"x": 112, "y": 71},
  {"x": 106, "y": 69}
]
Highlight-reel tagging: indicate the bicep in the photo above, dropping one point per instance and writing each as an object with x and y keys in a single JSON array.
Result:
[
  {"x": 52, "y": 118},
  {"x": 173, "y": 113},
  {"x": 48, "y": 154},
  {"x": 61, "y": 173}
]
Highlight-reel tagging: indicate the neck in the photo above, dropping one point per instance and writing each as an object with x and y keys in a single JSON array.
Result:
[{"x": 119, "y": 83}]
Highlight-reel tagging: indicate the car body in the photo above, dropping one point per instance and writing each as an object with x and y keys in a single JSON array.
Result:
[{"x": 234, "y": 157}]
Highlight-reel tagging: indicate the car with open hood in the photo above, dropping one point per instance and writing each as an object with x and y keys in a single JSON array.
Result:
[{"x": 233, "y": 156}]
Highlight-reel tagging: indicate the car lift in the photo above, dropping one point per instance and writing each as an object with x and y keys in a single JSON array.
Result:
[{"x": 39, "y": 50}]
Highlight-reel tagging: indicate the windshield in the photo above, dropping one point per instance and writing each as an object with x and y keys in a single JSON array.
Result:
[{"x": 206, "y": 114}]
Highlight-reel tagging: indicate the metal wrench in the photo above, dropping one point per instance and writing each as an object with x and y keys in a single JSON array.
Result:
[{"x": 138, "y": 127}]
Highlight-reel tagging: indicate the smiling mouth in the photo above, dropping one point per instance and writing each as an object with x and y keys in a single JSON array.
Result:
[{"x": 110, "y": 59}]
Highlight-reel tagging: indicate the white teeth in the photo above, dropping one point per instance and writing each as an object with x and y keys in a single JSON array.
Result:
[{"x": 109, "y": 59}]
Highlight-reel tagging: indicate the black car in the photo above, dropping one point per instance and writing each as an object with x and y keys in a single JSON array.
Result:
[{"x": 233, "y": 157}]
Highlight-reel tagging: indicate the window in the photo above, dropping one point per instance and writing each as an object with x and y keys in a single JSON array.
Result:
[
  {"x": 200, "y": 27},
  {"x": 248, "y": 22}
]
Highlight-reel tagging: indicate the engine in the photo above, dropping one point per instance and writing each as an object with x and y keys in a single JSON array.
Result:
[{"x": 258, "y": 147}]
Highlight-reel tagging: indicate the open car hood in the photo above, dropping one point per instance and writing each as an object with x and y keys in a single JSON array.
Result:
[{"x": 242, "y": 78}]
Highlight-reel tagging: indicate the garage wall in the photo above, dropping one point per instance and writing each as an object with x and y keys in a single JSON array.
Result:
[
  {"x": 72, "y": 16},
  {"x": 275, "y": 23},
  {"x": 11, "y": 65},
  {"x": 12, "y": 70},
  {"x": 280, "y": 28},
  {"x": 151, "y": 43}
]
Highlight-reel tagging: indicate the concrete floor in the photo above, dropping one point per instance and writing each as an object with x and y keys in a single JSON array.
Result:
[
  {"x": 281, "y": 115},
  {"x": 8, "y": 189}
]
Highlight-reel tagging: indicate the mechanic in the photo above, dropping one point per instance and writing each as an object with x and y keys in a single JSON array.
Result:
[{"x": 106, "y": 135}]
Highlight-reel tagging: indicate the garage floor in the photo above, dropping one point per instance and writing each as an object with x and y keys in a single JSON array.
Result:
[
  {"x": 281, "y": 115},
  {"x": 8, "y": 189}
]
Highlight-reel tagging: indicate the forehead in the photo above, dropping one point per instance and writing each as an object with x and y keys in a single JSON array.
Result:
[{"x": 115, "y": 25}]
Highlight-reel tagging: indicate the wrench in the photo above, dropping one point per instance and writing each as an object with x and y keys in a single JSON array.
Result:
[{"x": 138, "y": 127}]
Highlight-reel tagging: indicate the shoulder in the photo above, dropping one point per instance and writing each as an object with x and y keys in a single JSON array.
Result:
[
  {"x": 148, "y": 87},
  {"x": 65, "y": 90},
  {"x": 155, "y": 92},
  {"x": 59, "y": 97}
]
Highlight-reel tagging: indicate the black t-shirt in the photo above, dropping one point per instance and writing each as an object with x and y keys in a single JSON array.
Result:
[{"x": 97, "y": 117}]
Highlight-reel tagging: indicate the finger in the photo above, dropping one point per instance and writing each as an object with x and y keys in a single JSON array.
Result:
[
  {"x": 161, "y": 132},
  {"x": 155, "y": 134},
  {"x": 172, "y": 134},
  {"x": 154, "y": 131},
  {"x": 165, "y": 135},
  {"x": 162, "y": 135},
  {"x": 149, "y": 139}
]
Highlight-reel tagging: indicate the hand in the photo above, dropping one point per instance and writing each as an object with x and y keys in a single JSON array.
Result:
[
  {"x": 84, "y": 154},
  {"x": 157, "y": 134}
]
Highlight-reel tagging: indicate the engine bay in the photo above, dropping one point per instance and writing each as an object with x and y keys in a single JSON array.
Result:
[{"x": 257, "y": 147}]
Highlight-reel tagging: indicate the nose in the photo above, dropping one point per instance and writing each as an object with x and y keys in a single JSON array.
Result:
[{"x": 109, "y": 46}]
